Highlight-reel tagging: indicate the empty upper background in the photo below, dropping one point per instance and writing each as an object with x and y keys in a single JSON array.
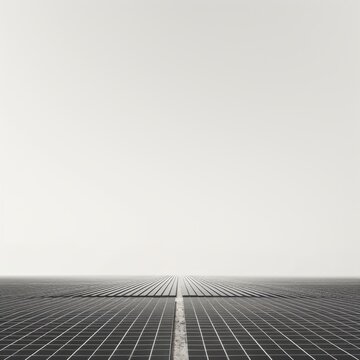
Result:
[{"x": 211, "y": 137}]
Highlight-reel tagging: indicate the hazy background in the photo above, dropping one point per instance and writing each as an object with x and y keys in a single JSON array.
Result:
[{"x": 202, "y": 136}]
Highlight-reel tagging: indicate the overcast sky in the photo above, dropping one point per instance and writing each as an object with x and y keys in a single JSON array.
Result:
[{"x": 198, "y": 137}]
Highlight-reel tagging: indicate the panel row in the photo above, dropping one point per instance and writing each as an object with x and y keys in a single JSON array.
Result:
[
  {"x": 200, "y": 286},
  {"x": 135, "y": 286}
]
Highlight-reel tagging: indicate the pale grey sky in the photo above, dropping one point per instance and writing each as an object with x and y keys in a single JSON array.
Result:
[{"x": 209, "y": 137}]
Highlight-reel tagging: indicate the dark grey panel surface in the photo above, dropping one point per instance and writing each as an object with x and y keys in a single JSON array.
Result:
[
  {"x": 91, "y": 328},
  {"x": 263, "y": 328}
]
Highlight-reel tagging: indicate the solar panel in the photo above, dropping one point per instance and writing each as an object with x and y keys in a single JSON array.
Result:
[
  {"x": 278, "y": 328},
  {"x": 91, "y": 328}
]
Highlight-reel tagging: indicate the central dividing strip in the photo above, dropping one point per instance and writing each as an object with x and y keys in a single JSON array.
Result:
[{"x": 180, "y": 346}]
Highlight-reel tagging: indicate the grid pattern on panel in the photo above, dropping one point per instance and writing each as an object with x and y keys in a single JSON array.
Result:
[
  {"x": 276, "y": 328},
  {"x": 150, "y": 286},
  {"x": 91, "y": 328}
]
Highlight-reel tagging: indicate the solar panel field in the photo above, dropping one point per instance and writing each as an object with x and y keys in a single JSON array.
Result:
[{"x": 224, "y": 318}]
